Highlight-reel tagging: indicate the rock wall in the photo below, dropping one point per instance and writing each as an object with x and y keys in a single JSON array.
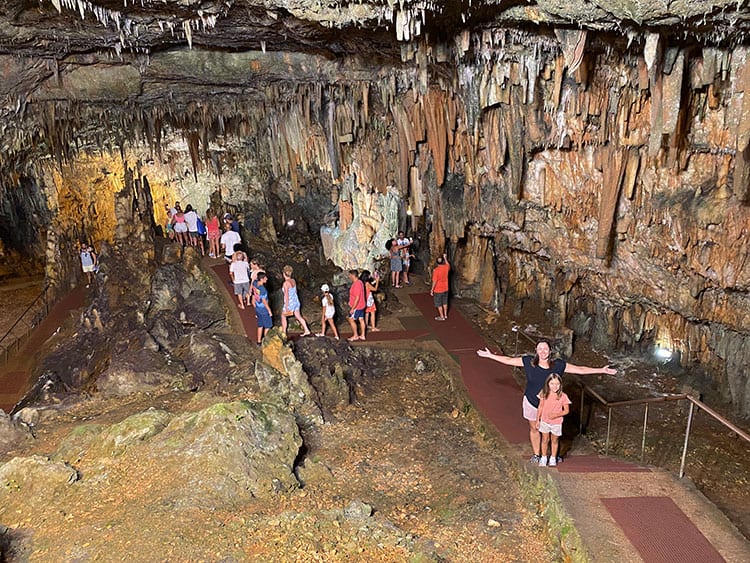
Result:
[{"x": 606, "y": 176}]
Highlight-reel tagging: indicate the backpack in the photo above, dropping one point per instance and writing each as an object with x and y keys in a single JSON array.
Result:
[{"x": 201, "y": 227}]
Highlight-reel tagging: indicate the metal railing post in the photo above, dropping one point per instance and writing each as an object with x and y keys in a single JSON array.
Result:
[
  {"x": 643, "y": 438},
  {"x": 580, "y": 414},
  {"x": 687, "y": 437},
  {"x": 609, "y": 425}
]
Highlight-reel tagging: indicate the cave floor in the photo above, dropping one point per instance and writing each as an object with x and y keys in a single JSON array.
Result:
[{"x": 405, "y": 449}]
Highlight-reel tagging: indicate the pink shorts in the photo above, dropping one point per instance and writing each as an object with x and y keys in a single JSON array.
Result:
[{"x": 529, "y": 410}]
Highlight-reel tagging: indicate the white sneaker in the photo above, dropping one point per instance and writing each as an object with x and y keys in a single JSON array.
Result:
[
  {"x": 552, "y": 461},
  {"x": 543, "y": 461}
]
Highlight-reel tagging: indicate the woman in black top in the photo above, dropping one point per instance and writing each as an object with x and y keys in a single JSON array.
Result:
[{"x": 537, "y": 368}]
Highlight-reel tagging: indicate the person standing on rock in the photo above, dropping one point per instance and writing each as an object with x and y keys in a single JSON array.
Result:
[
  {"x": 262, "y": 308},
  {"x": 88, "y": 262},
  {"x": 291, "y": 302},
  {"x": 537, "y": 369},
  {"x": 357, "y": 305},
  {"x": 439, "y": 289}
]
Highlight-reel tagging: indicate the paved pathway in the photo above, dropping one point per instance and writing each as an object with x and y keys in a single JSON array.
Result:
[{"x": 15, "y": 376}]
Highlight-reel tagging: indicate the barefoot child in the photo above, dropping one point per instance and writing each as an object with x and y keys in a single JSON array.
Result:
[
  {"x": 553, "y": 406},
  {"x": 329, "y": 310}
]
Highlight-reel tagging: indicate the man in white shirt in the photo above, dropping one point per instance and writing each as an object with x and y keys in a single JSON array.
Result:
[{"x": 228, "y": 241}]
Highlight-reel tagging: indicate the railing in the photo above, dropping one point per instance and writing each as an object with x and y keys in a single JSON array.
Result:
[
  {"x": 585, "y": 389},
  {"x": 39, "y": 313},
  {"x": 647, "y": 401}
]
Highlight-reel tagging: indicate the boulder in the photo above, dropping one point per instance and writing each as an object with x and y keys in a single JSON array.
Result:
[
  {"x": 142, "y": 371},
  {"x": 283, "y": 381},
  {"x": 12, "y": 432},
  {"x": 35, "y": 476},
  {"x": 133, "y": 430},
  {"x": 219, "y": 361},
  {"x": 229, "y": 452}
]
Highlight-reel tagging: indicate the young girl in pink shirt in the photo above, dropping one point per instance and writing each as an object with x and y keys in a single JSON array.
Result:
[{"x": 553, "y": 406}]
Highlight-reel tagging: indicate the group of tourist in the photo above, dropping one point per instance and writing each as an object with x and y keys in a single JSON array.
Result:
[{"x": 189, "y": 229}]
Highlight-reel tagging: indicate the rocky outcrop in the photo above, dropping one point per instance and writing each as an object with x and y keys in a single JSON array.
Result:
[
  {"x": 283, "y": 381},
  {"x": 12, "y": 432},
  {"x": 218, "y": 456},
  {"x": 35, "y": 477}
]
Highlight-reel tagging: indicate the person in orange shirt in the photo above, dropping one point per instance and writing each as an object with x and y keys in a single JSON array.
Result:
[{"x": 439, "y": 290}]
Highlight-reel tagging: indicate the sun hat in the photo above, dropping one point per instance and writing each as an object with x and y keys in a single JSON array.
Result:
[{"x": 325, "y": 287}]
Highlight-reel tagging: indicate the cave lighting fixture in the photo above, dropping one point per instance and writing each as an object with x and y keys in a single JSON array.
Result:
[{"x": 664, "y": 354}]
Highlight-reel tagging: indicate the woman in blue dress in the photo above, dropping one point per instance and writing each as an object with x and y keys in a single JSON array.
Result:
[{"x": 291, "y": 302}]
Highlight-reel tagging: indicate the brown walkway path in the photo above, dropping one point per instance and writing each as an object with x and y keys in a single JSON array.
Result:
[{"x": 15, "y": 376}]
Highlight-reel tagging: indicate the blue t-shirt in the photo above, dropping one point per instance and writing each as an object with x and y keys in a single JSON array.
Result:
[
  {"x": 261, "y": 293},
  {"x": 537, "y": 375}
]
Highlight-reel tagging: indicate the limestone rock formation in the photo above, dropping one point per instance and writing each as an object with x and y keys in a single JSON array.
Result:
[
  {"x": 283, "y": 381},
  {"x": 600, "y": 168}
]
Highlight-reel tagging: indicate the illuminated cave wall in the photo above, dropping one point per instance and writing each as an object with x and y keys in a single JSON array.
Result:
[{"x": 610, "y": 182}]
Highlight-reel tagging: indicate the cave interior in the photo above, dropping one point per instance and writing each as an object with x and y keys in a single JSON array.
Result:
[{"x": 590, "y": 156}]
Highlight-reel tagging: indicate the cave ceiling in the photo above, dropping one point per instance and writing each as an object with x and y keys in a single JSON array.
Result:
[{"x": 137, "y": 55}]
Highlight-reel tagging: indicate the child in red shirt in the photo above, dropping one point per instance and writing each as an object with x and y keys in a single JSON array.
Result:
[{"x": 553, "y": 406}]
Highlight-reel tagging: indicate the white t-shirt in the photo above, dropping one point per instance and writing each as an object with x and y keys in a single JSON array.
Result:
[
  {"x": 241, "y": 271},
  {"x": 228, "y": 240},
  {"x": 191, "y": 218}
]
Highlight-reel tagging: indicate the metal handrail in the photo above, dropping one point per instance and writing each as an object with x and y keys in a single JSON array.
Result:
[
  {"x": 647, "y": 401},
  {"x": 42, "y": 295}
]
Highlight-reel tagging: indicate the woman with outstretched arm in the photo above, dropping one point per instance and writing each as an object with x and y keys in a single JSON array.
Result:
[{"x": 537, "y": 368}]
